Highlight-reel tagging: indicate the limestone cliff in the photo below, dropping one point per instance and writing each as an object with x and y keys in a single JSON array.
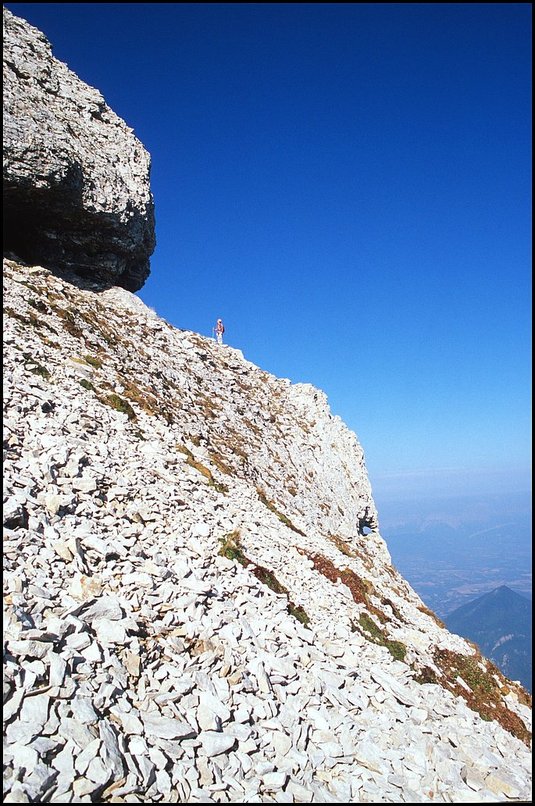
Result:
[
  {"x": 76, "y": 179},
  {"x": 199, "y": 606}
]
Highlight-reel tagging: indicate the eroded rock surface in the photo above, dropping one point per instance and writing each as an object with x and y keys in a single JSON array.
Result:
[{"x": 76, "y": 179}]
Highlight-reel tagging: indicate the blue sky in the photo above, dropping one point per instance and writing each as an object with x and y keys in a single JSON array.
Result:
[{"x": 349, "y": 187}]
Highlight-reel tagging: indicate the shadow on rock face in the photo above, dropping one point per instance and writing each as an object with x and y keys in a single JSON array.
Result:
[
  {"x": 76, "y": 179},
  {"x": 85, "y": 282},
  {"x": 51, "y": 228}
]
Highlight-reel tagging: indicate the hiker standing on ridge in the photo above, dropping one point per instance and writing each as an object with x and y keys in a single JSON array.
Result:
[{"x": 219, "y": 330}]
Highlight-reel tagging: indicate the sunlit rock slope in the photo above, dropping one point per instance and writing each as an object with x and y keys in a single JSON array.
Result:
[{"x": 199, "y": 605}]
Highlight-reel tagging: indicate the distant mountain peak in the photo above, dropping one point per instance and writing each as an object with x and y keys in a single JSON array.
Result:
[
  {"x": 500, "y": 623},
  {"x": 504, "y": 589}
]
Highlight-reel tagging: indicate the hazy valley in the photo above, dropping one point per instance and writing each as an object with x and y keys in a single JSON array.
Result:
[{"x": 454, "y": 550}]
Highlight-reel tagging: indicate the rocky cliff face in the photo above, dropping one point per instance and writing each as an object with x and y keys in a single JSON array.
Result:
[
  {"x": 199, "y": 606},
  {"x": 198, "y": 603},
  {"x": 76, "y": 179}
]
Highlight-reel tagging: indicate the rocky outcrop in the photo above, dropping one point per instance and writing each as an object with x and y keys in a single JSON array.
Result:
[
  {"x": 199, "y": 606},
  {"x": 76, "y": 179}
]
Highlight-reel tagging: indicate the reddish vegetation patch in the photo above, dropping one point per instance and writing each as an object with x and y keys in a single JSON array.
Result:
[
  {"x": 360, "y": 588},
  {"x": 426, "y": 675},
  {"x": 487, "y": 688}
]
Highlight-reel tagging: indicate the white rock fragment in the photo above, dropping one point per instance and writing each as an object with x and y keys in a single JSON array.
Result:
[
  {"x": 214, "y": 743},
  {"x": 166, "y": 727}
]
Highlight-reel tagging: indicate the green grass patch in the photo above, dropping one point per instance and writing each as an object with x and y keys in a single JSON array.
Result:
[
  {"x": 92, "y": 361},
  {"x": 268, "y": 578},
  {"x": 38, "y": 369},
  {"x": 35, "y": 367},
  {"x": 202, "y": 469},
  {"x": 376, "y": 635},
  {"x": 119, "y": 404},
  {"x": 298, "y": 613},
  {"x": 271, "y": 506},
  {"x": 232, "y": 549},
  {"x": 87, "y": 385},
  {"x": 397, "y": 649},
  {"x": 368, "y": 624}
]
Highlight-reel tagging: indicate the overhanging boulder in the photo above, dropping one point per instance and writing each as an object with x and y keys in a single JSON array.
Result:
[{"x": 76, "y": 179}]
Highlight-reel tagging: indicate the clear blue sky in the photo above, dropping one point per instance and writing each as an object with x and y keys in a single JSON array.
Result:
[{"x": 349, "y": 187}]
